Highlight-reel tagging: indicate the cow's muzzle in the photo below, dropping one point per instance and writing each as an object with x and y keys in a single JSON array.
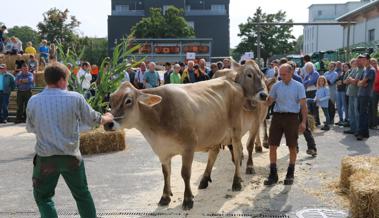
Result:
[{"x": 111, "y": 126}]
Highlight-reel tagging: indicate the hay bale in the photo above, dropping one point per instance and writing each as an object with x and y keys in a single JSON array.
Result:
[
  {"x": 364, "y": 195},
  {"x": 100, "y": 141},
  {"x": 10, "y": 60},
  {"x": 354, "y": 164},
  {"x": 40, "y": 79}
]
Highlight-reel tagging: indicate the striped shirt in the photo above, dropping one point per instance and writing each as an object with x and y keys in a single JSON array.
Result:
[{"x": 54, "y": 116}]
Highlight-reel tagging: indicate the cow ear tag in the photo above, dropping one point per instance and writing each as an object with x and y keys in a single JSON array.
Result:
[{"x": 149, "y": 100}]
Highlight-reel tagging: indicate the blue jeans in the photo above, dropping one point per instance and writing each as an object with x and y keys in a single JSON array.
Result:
[
  {"x": 4, "y": 102},
  {"x": 327, "y": 117},
  {"x": 363, "y": 115},
  {"x": 341, "y": 105},
  {"x": 374, "y": 119},
  {"x": 353, "y": 113}
]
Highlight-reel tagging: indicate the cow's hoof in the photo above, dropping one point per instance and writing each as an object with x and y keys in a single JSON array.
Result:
[
  {"x": 187, "y": 204},
  {"x": 204, "y": 182},
  {"x": 258, "y": 149},
  {"x": 237, "y": 186},
  {"x": 250, "y": 170},
  {"x": 165, "y": 200},
  {"x": 265, "y": 144}
]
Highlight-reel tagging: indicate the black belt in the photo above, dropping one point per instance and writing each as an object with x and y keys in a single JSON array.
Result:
[{"x": 285, "y": 113}]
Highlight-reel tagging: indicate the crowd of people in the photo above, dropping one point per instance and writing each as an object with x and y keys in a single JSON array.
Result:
[{"x": 351, "y": 89}]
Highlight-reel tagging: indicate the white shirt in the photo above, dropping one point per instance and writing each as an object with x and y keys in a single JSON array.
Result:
[{"x": 86, "y": 83}]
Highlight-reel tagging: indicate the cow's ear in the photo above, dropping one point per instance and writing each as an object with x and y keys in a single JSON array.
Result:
[{"x": 149, "y": 100}]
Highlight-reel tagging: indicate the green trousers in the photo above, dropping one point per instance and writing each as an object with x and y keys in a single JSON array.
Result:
[{"x": 46, "y": 173}]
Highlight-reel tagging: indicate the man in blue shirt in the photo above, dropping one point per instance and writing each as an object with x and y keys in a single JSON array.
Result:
[
  {"x": 24, "y": 82},
  {"x": 7, "y": 85},
  {"x": 151, "y": 77},
  {"x": 289, "y": 96},
  {"x": 44, "y": 50},
  {"x": 310, "y": 84},
  {"x": 365, "y": 85}
]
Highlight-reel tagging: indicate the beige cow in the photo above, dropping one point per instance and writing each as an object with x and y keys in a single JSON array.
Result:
[
  {"x": 251, "y": 121},
  {"x": 183, "y": 119}
]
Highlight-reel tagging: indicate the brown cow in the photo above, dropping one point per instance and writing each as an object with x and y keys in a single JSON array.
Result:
[
  {"x": 181, "y": 119},
  {"x": 251, "y": 121}
]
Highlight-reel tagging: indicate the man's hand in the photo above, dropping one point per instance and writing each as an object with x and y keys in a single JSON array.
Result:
[
  {"x": 302, "y": 127},
  {"x": 106, "y": 118}
]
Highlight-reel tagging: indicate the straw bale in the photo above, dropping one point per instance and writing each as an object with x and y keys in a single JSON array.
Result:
[
  {"x": 10, "y": 60},
  {"x": 100, "y": 141},
  {"x": 353, "y": 164},
  {"x": 364, "y": 195}
]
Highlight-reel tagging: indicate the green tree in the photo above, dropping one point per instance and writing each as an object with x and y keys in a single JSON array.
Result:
[
  {"x": 274, "y": 39},
  {"x": 299, "y": 44},
  {"x": 59, "y": 26},
  {"x": 171, "y": 24},
  {"x": 25, "y": 34},
  {"x": 95, "y": 49}
]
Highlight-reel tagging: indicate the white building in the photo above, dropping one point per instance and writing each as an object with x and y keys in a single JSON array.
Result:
[
  {"x": 322, "y": 38},
  {"x": 365, "y": 33}
]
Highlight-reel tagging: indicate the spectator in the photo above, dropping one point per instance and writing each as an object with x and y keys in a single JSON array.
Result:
[
  {"x": 203, "y": 66},
  {"x": 375, "y": 96},
  {"x": 140, "y": 75},
  {"x": 290, "y": 101},
  {"x": 94, "y": 72},
  {"x": 175, "y": 76},
  {"x": 273, "y": 71},
  {"x": 7, "y": 85},
  {"x": 131, "y": 73},
  {"x": 200, "y": 75},
  {"x": 338, "y": 67},
  {"x": 213, "y": 70},
  {"x": 341, "y": 93},
  {"x": 322, "y": 99},
  {"x": 310, "y": 85},
  {"x": 227, "y": 63},
  {"x": 32, "y": 64},
  {"x": 2, "y": 39},
  {"x": 84, "y": 79},
  {"x": 352, "y": 92},
  {"x": 30, "y": 49},
  {"x": 220, "y": 65},
  {"x": 52, "y": 52},
  {"x": 189, "y": 73},
  {"x": 18, "y": 64},
  {"x": 307, "y": 59},
  {"x": 8, "y": 46},
  {"x": 44, "y": 51},
  {"x": 167, "y": 74},
  {"x": 16, "y": 46},
  {"x": 24, "y": 82},
  {"x": 331, "y": 76},
  {"x": 151, "y": 77},
  {"x": 182, "y": 68},
  {"x": 365, "y": 85},
  {"x": 54, "y": 116}
]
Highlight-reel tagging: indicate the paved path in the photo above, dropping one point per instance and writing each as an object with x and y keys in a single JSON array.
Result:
[{"x": 130, "y": 183}]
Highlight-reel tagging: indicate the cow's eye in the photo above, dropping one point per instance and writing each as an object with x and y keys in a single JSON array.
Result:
[
  {"x": 128, "y": 102},
  {"x": 249, "y": 75}
]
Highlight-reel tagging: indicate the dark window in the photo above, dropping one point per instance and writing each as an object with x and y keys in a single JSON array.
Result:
[
  {"x": 371, "y": 35},
  {"x": 319, "y": 12}
]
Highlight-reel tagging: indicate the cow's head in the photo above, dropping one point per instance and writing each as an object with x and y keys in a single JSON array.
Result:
[
  {"x": 126, "y": 104},
  {"x": 251, "y": 79}
]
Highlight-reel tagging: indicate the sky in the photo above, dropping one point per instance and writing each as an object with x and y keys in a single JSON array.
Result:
[{"x": 93, "y": 14}]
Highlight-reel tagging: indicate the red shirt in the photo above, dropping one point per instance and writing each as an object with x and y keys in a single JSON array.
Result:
[{"x": 376, "y": 83}]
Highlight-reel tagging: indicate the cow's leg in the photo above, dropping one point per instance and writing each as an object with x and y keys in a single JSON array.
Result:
[
  {"x": 166, "y": 197},
  {"x": 212, "y": 156},
  {"x": 237, "y": 148},
  {"x": 265, "y": 139},
  {"x": 258, "y": 143},
  {"x": 250, "y": 146},
  {"x": 187, "y": 158}
]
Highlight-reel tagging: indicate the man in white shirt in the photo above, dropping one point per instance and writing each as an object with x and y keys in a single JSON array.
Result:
[{"x": 84, "y": 78}]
